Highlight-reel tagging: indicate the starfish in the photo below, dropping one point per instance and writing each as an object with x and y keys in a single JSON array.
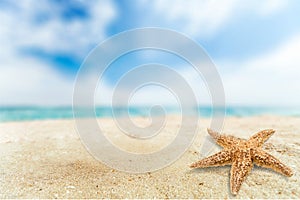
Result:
[{"x": 241, "y": 154}]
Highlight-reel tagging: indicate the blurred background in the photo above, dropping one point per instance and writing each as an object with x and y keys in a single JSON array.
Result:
[{"x": 255, "y": 46}]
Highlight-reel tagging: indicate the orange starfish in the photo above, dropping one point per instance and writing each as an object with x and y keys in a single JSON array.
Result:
[{"x": 241, "y": 154}]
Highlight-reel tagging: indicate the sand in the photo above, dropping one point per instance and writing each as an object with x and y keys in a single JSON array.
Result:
[{"x": 45, "y": 159}]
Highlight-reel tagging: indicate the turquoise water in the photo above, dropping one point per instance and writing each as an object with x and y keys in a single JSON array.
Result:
[{"x": 40, "y": 113}]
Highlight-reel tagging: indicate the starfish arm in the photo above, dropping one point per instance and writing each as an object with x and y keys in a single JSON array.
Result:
[
  {"x": 223, "y": 140},
  {"x": 219, "y": 159},
  {"x": 259, "y": 138},
  {"x": 263, "y": 159},
  {"x": 239, "y": 170}
]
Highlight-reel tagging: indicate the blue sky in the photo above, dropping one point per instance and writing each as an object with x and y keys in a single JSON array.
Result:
[{"x": 254, "y": 44}]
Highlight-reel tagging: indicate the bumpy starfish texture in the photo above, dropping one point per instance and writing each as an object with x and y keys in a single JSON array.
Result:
[{"x": 241, "y": 154}]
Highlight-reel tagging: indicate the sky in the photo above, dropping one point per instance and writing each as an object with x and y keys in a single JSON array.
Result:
[{"x": 255, "y": 46}]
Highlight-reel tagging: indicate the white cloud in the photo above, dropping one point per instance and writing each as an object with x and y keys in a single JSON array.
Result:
[
  {"x": 270, "y": 79},
  {"x": 206, "y": 17},
  {"x": 268, "y": 7},
  {"x": 25, "y": 80},
  {"x": 149, "y": 93},
  {"x": 20, "y": 26},
  {"x": 33, "y": 83}
]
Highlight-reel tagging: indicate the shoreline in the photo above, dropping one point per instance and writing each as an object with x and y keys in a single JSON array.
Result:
[
  {"x": 45, "y": 159},
  {"x": 168, "y": 115}
]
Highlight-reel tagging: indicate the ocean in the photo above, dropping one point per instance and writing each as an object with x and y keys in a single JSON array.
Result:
[{"x": 41, "y": 113}]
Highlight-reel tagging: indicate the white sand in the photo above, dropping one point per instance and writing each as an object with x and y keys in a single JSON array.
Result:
[{"x": 45, "y": 159}]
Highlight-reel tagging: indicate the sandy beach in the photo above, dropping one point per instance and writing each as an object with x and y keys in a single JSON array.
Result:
[{"x": 45, "y": 159}]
